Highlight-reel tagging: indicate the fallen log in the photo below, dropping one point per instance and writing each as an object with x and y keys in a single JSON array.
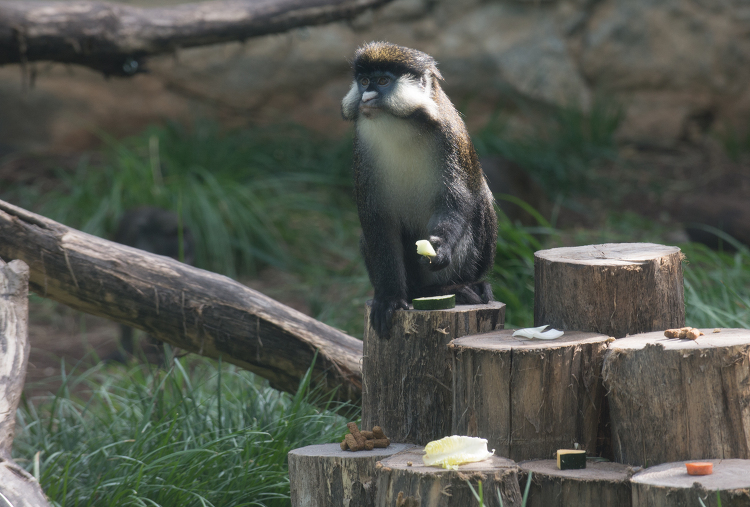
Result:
[
  {"x": 187, "y": 307},
  {"x": 18, "y": 488},
  {"x": 115, "y": 39}
]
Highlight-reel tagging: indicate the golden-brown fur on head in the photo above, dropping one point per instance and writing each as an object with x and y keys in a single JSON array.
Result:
[{"x": 399, "y": 60}]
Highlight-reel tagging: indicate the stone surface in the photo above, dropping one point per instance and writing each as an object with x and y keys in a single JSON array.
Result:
[{"x": 669, "y": 62}]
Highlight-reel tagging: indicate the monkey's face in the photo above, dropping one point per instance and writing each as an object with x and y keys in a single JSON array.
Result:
[
  {"x": 382, "y": 92},
  {"x": 374, "y": 90}
]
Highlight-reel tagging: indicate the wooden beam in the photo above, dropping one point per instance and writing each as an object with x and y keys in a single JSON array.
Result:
[{"x": 190, "y": 308}]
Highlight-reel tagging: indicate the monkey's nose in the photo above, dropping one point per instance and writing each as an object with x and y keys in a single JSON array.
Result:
[{"x": 368, "y": 96}]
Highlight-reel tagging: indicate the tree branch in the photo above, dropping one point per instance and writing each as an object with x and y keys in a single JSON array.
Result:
[
  {"x": 190, "y": 308},
  {"x": 115, "y": 39}
]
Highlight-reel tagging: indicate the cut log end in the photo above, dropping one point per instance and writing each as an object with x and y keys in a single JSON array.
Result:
[
  {"x": 615, "y": 289},
  {"x": 668, "y": 397},
  {"x": 599, "y": 484},
  {"x": 529, "y": 398},
  {"x": 404, "y": 475},
  {"x": 324, "y": 475},
  {"x": 412, "y": 370},
  {"x": 669, "y": 485}
]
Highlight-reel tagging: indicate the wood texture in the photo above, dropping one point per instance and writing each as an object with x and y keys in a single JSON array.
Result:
[
  {"x": 420, "y": 485},
  {"x": 529, "y": 398},
  {"x": 407, "y": 388},
  {"x": 672, "y": 400},
  {"x": 115, "y": 38},
  {"x": 614, "y": 289},
  {"x": 17, "y": 486},
  {"x": 669, "y": 485},
  {"x": 599, "y": 484},
  {"x": 325, "y": 476},
  {"x": 190, "y": 308}
]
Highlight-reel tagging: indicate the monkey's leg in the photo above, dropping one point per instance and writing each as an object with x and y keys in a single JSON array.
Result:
[{"x": 383, "y": 255}]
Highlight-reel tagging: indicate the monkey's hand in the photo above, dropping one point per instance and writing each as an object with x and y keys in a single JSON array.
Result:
[
  {"x": 442, "y": 256},
  {"x": 381, "y": 315}
]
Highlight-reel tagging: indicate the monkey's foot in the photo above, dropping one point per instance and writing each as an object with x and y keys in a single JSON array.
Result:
[{"x": 381, "y": 315}]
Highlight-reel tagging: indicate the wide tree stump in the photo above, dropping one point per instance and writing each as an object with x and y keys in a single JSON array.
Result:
[
  {"x": 17, "y": 487},
  {"x": 402, "y": 485},
  {"x": 615, "y": 289},
  {"x": 406, "y": 386},
  {"x": 599, "y": 484},
  {"x": 669, "y": 485},
  {"x": 529, "y": 398},
  {"x": 673, "y": 400},
  {"x": 325, "y": 476}
]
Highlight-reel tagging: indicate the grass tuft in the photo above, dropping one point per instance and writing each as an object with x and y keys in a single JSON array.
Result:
[{"x": 196, "y": 435}]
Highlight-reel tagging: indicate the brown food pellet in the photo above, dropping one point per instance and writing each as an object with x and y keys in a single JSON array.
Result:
[
  {"x": 693, "y": 334},
  {"x": 352, "y": 443},
  {"x": 367, "y": 434},
  {"x": 381, "y": 442},
  {"x": 377, "y": 432},
  {"x": 357, "y": 435},
  {"x": 344, "y": 447},
  {"x": 369, "y": 445}
]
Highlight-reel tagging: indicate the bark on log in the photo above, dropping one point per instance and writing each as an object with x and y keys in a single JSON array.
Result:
[
  {"x": 17, "y": 487},
  {"x": 190, "y": 308},
  {"x": 529, "y": 398},
  {"x": 114, "y": 38},
  {"x": 599, "y": 484},
  {"x": 614, "y": 289},
  {"x": 669, "y": 485},
  {"x": 407, "y": 379},
  {"x": 325, "y": 476},
  {"x": 673, "y": 400},
  {"x": 420, "y": 485}
]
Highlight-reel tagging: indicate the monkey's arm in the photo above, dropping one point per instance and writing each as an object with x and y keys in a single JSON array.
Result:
[{"x": 448, "y": 224}]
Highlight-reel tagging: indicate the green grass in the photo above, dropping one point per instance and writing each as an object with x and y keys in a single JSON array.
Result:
[
  {"x": 281, "y": 198},
  {"x": 563, "y": 150},
  {"x": 199, "y": 434}
]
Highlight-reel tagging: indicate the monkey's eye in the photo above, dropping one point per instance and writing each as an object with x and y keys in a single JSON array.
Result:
[
  {"x": 364, "y": 81},
  {"x": 383, "y": 81}
]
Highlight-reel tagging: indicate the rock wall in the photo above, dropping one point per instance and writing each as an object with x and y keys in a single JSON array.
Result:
[{"x": 680, "y": 67}]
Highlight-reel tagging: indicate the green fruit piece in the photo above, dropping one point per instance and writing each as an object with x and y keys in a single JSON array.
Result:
[
  {"x": 435, "y": 302},
  {"x": 569, "y": 459}
]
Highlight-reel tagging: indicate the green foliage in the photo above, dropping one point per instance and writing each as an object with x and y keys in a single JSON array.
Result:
[
  {"x": 512, "y": 276},
  {"x": 562, "y": 151},
  {"x": 251, "y": 197},
  {"x": 196, "y": 435},
  {"x": 717, "y": 287}
]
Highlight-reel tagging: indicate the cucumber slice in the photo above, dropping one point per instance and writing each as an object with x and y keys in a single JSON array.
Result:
[
  {"x": 570, "y": 459},
  {"x": 435, "y": 302}
]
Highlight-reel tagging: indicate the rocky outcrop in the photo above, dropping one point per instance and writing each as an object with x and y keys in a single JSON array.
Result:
[{"x": 680, "y": 68}]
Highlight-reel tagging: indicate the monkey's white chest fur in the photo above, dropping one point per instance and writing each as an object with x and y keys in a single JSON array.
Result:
[{"x": 408, "y": 177}]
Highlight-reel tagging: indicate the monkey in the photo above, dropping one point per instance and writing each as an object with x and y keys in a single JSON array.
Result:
[
  {"x": 153, "y": 230},
  {"x": 416, "y": 176}
]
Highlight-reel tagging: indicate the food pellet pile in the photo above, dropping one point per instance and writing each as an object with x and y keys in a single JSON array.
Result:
[{"x": 364, "y": 440}]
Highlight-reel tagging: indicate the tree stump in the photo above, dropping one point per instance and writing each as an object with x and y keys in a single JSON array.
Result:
[
  {"x": 407, "y": 382},
  {"x": 673, "y": 400},
  {"x": 614, "y": 289},
  {"x": 325, "y": 476},
  {"x": 17, "y": 487},
  {"x": 669, "y": 485},
  {"x": 402, "y": 485},
  {"x": 599, "y": 484},
  {"x": 529, "y": 398}
]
